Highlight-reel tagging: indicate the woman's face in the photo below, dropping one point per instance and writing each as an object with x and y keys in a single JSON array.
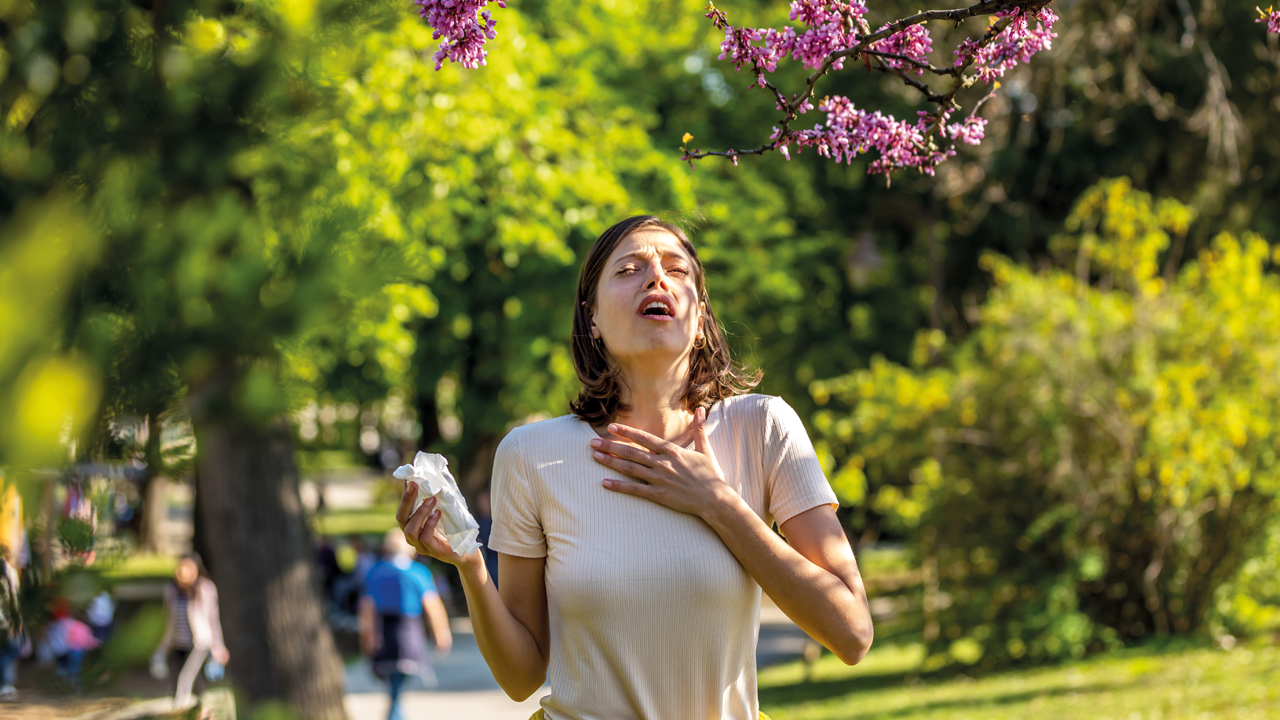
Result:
[
  {"x": 186, "y": 573},
  {"x": 647, "y": 305}
]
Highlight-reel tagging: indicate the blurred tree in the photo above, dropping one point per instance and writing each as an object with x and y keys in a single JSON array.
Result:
[
  {"x": 1097, "y": 458},
  {"x": 176, "y": 136}
]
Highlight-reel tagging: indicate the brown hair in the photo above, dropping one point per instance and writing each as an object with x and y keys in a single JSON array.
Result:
[{"x": 712, "y": 374}]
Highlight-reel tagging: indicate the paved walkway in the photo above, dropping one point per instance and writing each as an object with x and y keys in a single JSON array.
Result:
[{"x": 465, "y": 688}]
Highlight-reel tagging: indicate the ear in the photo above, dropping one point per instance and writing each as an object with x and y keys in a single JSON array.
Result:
[{"x": 593, "y": 330}]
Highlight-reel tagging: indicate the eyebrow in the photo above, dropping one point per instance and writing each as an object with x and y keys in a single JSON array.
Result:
[{"x": 643, "y": 253}]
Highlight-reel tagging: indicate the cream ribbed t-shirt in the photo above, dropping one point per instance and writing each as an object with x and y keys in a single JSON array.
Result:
[{"x": 652, "y": 618}]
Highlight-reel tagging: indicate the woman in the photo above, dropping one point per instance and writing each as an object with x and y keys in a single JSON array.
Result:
[
  {"x": 394, "y": 600},
  {"x": 193, "y": 630},
  {"x": 634, "y": 536}
]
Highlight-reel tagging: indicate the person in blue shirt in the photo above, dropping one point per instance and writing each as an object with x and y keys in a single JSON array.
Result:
[{"x": 395, "y": 598}]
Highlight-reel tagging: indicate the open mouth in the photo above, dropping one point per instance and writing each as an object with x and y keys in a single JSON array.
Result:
[{"x": 656, "y": 307}]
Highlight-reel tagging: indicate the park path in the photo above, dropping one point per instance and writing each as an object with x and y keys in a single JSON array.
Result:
[{"x": 467, "y": 690}]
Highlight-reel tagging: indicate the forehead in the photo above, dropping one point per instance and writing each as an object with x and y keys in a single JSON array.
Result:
[{"x": 648, "y": 243}]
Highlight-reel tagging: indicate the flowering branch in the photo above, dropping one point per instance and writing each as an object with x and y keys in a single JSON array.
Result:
[
  {"x": 1271, "y": 17},
  {"x": 462, "y": 26},
  {"x": 837, "y": 30}
]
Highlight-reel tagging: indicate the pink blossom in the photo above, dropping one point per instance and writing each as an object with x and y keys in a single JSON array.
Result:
[
  {"x": 832, "y": 26},
  {"x": 462, "y": 26},
  {"x": 1271, "y": 18},
  {"x": 1016, "y": 44},
  {"x": 850, "y": 132},
  {"x": 913, "y": 42},
  {"x": 971, "y": 131}
]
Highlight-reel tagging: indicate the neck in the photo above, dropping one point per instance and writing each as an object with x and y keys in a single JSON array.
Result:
[{"x": 654, "y": 394}]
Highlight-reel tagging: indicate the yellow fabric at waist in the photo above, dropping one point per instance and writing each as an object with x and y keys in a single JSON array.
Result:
[{"x": 542, "y": 715}]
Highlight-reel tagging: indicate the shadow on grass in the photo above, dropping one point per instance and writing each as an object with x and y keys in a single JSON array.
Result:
[{"x": 820, "y": 691}]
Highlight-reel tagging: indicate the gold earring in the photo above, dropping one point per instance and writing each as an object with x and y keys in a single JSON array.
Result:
[{"x": 700, "y": 342}]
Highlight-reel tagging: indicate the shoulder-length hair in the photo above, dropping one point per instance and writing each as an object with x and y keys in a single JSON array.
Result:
[{"x": 712, "y": 373}]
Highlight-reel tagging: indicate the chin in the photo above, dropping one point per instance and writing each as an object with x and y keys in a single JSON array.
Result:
[{"x": 655, "y": 348}]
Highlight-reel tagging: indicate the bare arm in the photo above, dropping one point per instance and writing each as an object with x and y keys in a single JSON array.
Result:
[
  {"x": 511, "y": 628},
  {"x": 365, "y": 615},
  {"x": 814, "y": 579},
  {"x": 219, "y": 647},
  {"x": 438, "y": 622}
]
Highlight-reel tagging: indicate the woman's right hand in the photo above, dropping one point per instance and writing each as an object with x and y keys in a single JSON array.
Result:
[{"x": 422, "y": 527}]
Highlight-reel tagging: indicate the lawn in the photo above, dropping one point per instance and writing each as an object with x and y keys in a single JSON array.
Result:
[
  {"x": 1129, "y": 685},
  {"x": 374, "y": 520},
  {"x": 141, "y": 566}
]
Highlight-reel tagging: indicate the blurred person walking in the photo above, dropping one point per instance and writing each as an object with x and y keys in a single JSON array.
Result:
[
  {"x": 100, "y": 616},
  {"x": 397, "y": 595},
  {"x": 193, "y": 629},
  {"x": 10, "y": 628},
  {"x": 347, "y": 588},
  {"x": 67, "y": 641}
]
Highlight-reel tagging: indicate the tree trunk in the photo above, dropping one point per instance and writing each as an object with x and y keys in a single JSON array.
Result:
[
  {"x": 257, "y": 541},
  {"x": 151, "y": 487},
  {"x": 155, "y": 508}
]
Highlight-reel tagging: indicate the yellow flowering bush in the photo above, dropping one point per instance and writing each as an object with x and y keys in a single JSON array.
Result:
[{"x": 1098, "y": 457}]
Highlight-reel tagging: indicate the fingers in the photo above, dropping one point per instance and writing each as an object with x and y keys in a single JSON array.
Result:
[
  {"x": 425, "y": 540},
  {"x": 653, "y": 442},
  {"x": 429, "y": 528},
  {"x": 630, "y": 488},
  {"x": 624, "y": 451},
  {"x": 407, "y": 498},
  {"x": 416, "y": 524},
  {"x": 700, "y": 441},
  {"x": 627, "y": 467}
]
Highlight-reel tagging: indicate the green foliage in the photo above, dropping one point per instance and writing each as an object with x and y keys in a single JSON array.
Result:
[
  {"x": 1096, "y": 458},
  {"x": 496, "y": 179},
  {"x": 135, "y": 640},
  {"x": 1249, "y": 605}
]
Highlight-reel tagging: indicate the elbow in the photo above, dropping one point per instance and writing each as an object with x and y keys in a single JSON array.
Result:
[
  {"x": 522, "y": 689},
  {"x": 855, "y": 645}
]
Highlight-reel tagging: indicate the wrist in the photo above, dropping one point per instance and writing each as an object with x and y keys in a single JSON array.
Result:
[
  {"x": 725, "y": 507},
  {"x": 471, "y": 567}
]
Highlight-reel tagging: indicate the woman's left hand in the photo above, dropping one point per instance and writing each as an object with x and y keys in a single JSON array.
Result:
[
  {"x": 220, "y": 655},
  {"x": 689, "y": 481}
]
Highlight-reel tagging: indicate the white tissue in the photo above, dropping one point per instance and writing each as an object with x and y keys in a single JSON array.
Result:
[{"x": 431, "y": 474}]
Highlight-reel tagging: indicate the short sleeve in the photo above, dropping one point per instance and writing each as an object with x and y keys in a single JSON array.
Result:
[
  {"x": 793, "y": 476},
  {"x": 517, "y": 527}
]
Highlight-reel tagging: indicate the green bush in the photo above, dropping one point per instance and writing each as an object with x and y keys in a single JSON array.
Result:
[
  {"x": 1096, "y": 459},
  {"x": 1249, "y": 605}
]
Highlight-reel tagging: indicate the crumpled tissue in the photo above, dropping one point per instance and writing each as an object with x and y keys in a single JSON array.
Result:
[{"x": 431, "y": 474}]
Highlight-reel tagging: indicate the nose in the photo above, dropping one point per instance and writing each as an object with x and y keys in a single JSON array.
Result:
[{"x": 657, "y": 276}]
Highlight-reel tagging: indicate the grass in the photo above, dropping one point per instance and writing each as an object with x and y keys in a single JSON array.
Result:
[
  {"x": 1131, "y": 685},
  {"x": 374, "y": 520},
  {"x": 142, "y": 567}
]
